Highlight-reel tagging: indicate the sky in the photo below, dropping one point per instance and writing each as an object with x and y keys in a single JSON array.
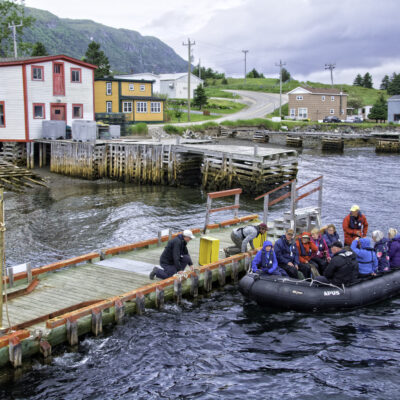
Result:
[{"x": 358, "y": 36}]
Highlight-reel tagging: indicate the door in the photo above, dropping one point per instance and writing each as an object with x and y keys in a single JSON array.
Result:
[
  {"x": 58, "y": 112},
  {"x": 58, "y": 79}
]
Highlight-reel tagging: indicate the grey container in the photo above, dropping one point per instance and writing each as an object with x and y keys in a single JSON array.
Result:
[
  {"x": 54, "y": 129},
  {"x": 84, "y": 131},
  {"x": 115, "y": 131}
]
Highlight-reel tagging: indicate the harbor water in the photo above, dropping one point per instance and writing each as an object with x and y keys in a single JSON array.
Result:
[{"x": 222, "y": 346}]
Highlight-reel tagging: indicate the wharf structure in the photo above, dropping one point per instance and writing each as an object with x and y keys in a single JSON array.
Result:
[
  {"x": 216, "y": 167},
  {"x": 58, "y": 302}
]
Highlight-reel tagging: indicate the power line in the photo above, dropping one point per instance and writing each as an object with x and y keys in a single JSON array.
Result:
[
  {"x": 331, "y": 67},
  {"x": 245, "y": 54},
  {"x": 189, "y": 44},
  {"x": 280, "y": 65}
]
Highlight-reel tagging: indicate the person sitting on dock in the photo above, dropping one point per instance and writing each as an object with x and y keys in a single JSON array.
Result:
[
  {"x": 394, "y": 251},
  {"x": 366, "y": 257},
  {"x": 307, "y": 250},
  {"x": 265, "y": 261},
  {"x": 330, "y": 236},
  {"x": 343, "y": 267},
  {"x": 287, "y": 255},
  {"x": 354, "y": 225},
  {"x": 242, "y": 236},
  {"x": 382, "y": 251},
  {"x": 175, "y": 256}
]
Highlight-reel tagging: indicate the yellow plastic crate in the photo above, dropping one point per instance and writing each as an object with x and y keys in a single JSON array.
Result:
[{"x": 209, "y": 250}]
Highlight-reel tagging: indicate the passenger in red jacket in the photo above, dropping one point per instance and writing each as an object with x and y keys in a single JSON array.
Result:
[
  {"x": 307, "y": 250},
  {"x": 354, "y": 225}
]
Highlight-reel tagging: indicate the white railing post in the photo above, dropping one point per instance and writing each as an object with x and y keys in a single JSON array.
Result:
[
  {"x": 209, "y": 200},
  {"x": 293, "y": 195},
  {"x": 265, "y": 214},
  {"x": 320, "y": 195},
  {"x": 237, "y": 197}
]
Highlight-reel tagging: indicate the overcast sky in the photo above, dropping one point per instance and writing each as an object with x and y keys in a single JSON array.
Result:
[{"x": 357, "y": 35}]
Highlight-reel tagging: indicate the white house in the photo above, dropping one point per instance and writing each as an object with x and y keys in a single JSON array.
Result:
[
  {"x": 173, "y": 85},
  {"x": 33, "y": 89}
]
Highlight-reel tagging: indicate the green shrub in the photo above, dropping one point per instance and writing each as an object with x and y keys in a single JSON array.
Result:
[
  {"x": 138, "y": 129},
  {"x": 172, "y": 130}
]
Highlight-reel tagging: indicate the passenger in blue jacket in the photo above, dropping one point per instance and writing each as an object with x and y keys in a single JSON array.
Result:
[
  {"x": 331, "y": 236},
  {"x": 265, "y": 261},
  {"x": 287, "y": 255},
  {"x": 382, "y": 251},
  {"x": 366, "y": 257}
]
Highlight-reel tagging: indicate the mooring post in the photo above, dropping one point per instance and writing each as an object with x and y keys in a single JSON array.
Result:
[
  {"x": 222, "y": 275},
  {"x": 178, "y": 290},
  {"x": 208, "y": 280},
  {"x": 15, "y": 351},
  {"x": 119, "y": 311},
  {"x": 140, "y": 309},
  {"x": 97, "y": 321},
  {"x": 235, "y": 271},
  {"x": 45, "y": 348},
  {"x": 194, "y": 286},
  {"x": 159, "y": 298},
  {"x": 72, "y": 332}
]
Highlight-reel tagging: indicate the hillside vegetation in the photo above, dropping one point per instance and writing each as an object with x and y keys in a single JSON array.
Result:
[
  {"x": 127, "y": 50},
  {"x": 271, "y": 85}
]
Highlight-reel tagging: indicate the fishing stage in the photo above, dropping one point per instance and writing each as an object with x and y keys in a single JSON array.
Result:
[{"x": 59, "y": 302}]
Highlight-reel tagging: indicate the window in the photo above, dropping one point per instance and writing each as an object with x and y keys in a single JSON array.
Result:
[
  {"x": 292, "y": 112},
  {"x": 108, "y": 88},
  {"x": 141, "y": 107},
  {"x": 303, "y": 112},
  {"x": 2, "y": 115},
  {"x": 108, "y": 106},
  {"x": 142, "y": 88},
  {"x": 76, "y": 75},
  {"x": 37, "y": 73},
  {"x": 332, "y": 98},
  {"x": 332, "y": 111},
  {"x": 299, "y": 97},
  {"x": 131, "y": 86},
  {"x": 155, "y": 107},
  {"x": 127, "y": 106},
  {"x": 323, "y": 98},
  {"x": 77, "y": 110},
  {"x": 38, "y": 111}
]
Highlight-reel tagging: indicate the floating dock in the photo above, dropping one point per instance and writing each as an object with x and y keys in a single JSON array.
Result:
[{"x": 216, "y": 167}]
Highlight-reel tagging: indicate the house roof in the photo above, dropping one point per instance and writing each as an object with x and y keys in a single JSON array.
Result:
[
  {"x": 32, "y": 60},
  {"x": 328, "y": 91},
  {"x": 170, "y": 77},
  {"x": 111, "y": 79}
]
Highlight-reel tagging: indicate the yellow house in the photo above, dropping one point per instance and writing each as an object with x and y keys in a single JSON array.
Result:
[{"x": 134, "y": 98}]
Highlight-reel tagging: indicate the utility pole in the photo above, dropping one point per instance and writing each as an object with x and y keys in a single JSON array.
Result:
[
  {"x": 199, "y": 68},
  {"x": 14, "y": 32},
  {"x": 280, "y": 65},
  {"x": 331, "y": 67},
  {"x": 189, "y": 44},
  {"x": 245, "y": 53}
]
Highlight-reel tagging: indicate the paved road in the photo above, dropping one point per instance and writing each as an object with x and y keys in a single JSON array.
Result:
[{"x": 259, "y": 104}]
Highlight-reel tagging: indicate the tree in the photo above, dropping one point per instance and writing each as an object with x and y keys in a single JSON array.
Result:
[
  {"x": 394, "y": 85},
  {"x": 285, "y": 75},
  {"x": 254, "y": 74},
  {"x": 177, "y": 111},
  {"x": 379, "y": 109},
  {"x": 39, "y": 50},
  {"x": 97, "y": 57},
  {"x": 385, "y": 83},
  {"x": 358, "y": 81},
  {"x": 13, "y": 12},
  {"x": 354, "y": 102},
  {"x": 200, "y": 97},
  {"x": 367, "y": 80}
]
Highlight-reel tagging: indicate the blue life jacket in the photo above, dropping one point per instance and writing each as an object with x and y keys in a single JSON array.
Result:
[{"x": 266, "y": 263}]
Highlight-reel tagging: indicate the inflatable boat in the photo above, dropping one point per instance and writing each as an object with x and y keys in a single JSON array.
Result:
[{"x": 292, "y": 294}]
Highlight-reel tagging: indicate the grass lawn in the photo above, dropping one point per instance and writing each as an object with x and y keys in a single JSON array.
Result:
[
  {"x": 224, "y": 106},
  {"x": 215, "y": 92},
  {"x": 193, "y": 118}
]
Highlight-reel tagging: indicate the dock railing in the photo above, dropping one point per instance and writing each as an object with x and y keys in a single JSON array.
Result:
[
  {"x": 216, "y": 195},
  {"x": 294, "y": 198}
]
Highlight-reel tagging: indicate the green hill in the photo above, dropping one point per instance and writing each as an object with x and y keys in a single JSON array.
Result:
[
  {"x": 127, "y": 50},
  {"x": 271, "y": 85}
]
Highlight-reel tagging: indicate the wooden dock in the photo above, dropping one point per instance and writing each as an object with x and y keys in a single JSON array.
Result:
[{"x": 216, "y": 167}]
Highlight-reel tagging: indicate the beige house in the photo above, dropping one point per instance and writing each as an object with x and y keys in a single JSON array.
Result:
[{"x": 317, "y": 103}]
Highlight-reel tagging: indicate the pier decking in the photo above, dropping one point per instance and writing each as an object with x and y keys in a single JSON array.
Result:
[{"x": 217, "y": 167}]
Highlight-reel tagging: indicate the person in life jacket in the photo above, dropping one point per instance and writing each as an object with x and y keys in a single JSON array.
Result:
[
  {"x": 354, "y": 225},
  {"x": 381, "y": 249},
  {"x": 265, "y": 261},
  {"x": 343, "y": 267},
  {"x": 366, "y": 257},
  {"x": 322, "y": 258},
  {"x": 243, "y": 236},
  {"x": 394, "y": 249},
  {"x": 307, "y": 250}
]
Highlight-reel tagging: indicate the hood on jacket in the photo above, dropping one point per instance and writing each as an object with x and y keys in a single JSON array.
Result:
[
  {"x": 397, "y": 238},
  {"x": 365, "y": 243},
  {"x": 267, "y": 243}
]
